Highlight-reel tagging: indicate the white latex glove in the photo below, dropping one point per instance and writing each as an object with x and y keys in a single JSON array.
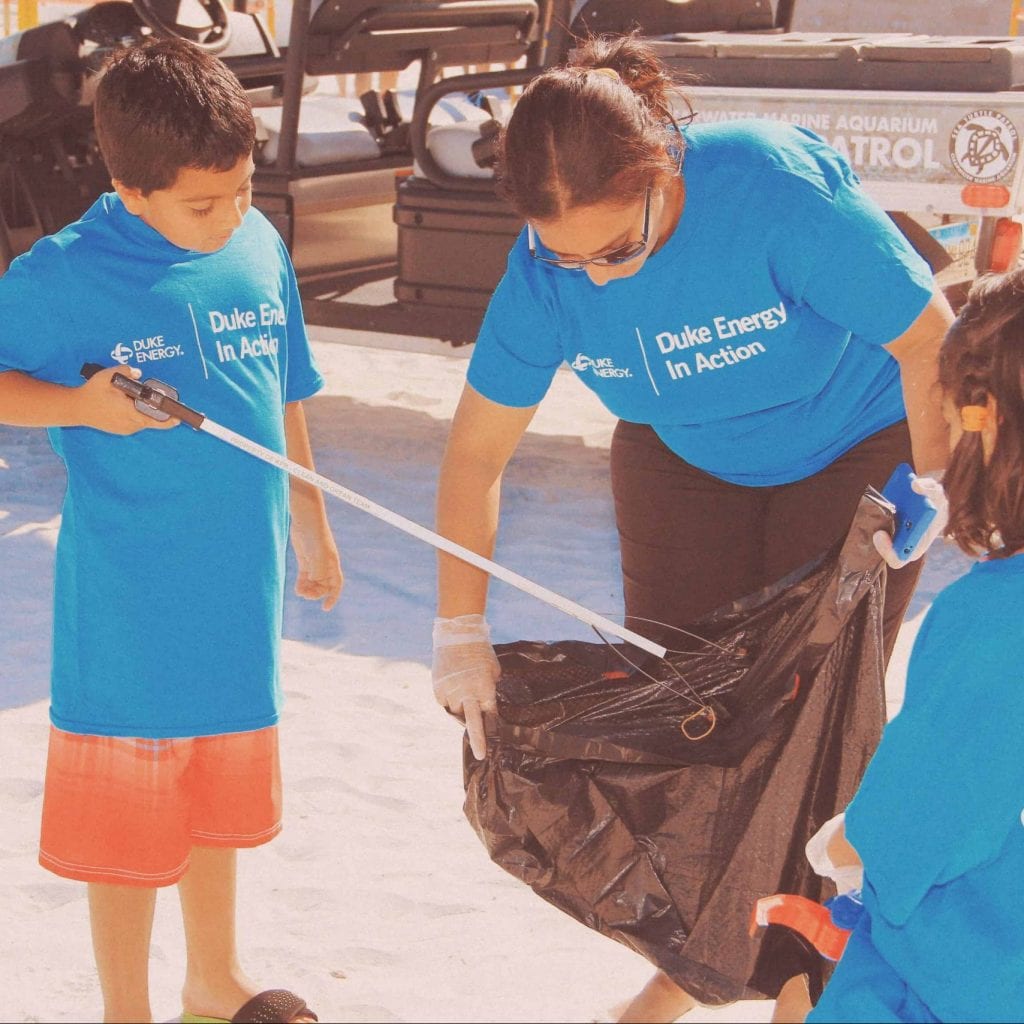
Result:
[
  {"x": 847, "y": 878},
  {"x": 931, "y": 487},
  {"x": 466, "y": 673}
]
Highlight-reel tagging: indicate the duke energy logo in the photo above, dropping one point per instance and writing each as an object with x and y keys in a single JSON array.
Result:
[
  {"x": 601, "y": 367},
  {"x": 983, "y": 146},
  {"x": 145, "y": 350}
]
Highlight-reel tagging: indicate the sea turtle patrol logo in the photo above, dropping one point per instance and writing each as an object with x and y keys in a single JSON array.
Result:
[{"x": 983, "y": 146}]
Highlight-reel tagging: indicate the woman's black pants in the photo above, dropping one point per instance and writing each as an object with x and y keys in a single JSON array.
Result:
[{"x": 691, "y": 542}]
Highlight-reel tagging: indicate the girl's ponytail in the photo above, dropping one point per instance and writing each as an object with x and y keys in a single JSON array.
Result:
[{"x": 982, "y": 358}]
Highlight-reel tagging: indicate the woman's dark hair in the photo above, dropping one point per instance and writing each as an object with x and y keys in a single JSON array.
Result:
[
  {"x": 982, "y": 356},
  {"x": 167, "y": 105},
  {"x": 577, "y": 137}
]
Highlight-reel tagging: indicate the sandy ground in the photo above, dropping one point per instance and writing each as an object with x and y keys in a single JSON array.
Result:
[{"x": 378, "y": 902}]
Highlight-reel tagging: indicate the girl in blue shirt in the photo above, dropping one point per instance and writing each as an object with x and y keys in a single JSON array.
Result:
[
  {"x": 768, "y": 341},
  {"x": 937, "y": 821}
]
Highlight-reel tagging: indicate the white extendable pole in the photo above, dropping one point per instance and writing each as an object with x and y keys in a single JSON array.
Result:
[{"x": 563, "y": 604}]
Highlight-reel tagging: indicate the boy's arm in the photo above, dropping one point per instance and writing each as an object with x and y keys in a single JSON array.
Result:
[
  {"x": 28, "y": 402},
  {"x": 320, "y": 576}
]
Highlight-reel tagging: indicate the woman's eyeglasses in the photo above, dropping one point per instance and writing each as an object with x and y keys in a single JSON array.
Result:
[{"x": 613, "y": 258}]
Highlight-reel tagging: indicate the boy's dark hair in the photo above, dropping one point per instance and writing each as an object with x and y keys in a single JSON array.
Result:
[
  {"x": 983, "y": 355},
  {"x": 577, "y": 137},
  {"x": 165, "y": 106}
]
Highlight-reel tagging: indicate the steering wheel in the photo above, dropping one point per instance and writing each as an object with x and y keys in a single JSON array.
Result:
[{"x": 203, "y": 22}]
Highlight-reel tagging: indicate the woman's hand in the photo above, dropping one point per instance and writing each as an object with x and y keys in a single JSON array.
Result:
[
  {"x": 465, "y": 673},
  {"x": 930, "y": 486},
  {"x": 483, "y": 437}
]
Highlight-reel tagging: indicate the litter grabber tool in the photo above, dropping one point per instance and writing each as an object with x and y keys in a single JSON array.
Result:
[
  {"x": 160, "y": 401},
  {"x": 825, "y": 926}
]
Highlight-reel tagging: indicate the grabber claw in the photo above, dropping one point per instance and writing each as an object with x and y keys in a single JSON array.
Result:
[{"x": 811, "y": 920}]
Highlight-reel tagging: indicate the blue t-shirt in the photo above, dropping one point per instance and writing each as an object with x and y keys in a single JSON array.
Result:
[
  {"x": 751, "y": 340},
  {"x": 170, "y": 559},
  {"x": 937, "y": 819}
]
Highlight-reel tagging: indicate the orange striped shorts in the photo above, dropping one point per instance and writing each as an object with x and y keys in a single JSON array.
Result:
[{"x": 128, "y": 811}]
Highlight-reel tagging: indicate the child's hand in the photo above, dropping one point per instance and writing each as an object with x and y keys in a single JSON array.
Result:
[
  {"x": 102, "y": 406},
  {"x": 320, "y": 576},
  {"x": 830, "y": 855}
]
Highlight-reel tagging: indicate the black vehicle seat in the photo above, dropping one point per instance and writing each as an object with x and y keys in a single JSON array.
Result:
[
  {"x": 350, "y": 36},
  {"x": 659, "y": 17},
  {"x": 328, "y": 152},
  {"x": 333, "y": 128},
  {"x": 454, "y": 151}
]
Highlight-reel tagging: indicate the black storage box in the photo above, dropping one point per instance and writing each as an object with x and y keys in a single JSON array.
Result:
[
  {"x": 943, "y": 64},
  {"x": 452, "y": 245},
  {"x": 795, "y": 60}
]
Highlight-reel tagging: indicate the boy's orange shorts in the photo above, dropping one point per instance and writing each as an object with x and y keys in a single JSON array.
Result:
[{"x": 128, "y": 811}]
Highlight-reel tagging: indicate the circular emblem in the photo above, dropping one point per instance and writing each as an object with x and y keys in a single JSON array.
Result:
[{"x": 983, "y": 146}]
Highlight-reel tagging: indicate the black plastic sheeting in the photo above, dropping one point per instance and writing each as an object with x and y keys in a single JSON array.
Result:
[{"x": 622, "y": 800}]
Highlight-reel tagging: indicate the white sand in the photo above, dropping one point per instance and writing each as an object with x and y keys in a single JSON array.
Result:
[{"x": 377, "y": 903}]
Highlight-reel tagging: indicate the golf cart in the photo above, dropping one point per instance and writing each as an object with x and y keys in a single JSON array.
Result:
[
  {"x": 394, "y": 190},
  {"x": 371, "y": 189}
]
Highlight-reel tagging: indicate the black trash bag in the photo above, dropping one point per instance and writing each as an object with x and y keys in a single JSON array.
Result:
[{"x": 656, "y": 804}]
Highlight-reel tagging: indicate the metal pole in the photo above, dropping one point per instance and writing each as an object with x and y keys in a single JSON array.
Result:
[
  {"x": 162, "y": 402},
  {"x": 563, "y": 604}
]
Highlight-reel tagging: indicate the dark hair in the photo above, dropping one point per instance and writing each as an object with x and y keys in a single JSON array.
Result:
[
  {"x": 576, "y": 138},
  {"x": 167, "y": 105},
  {"x": 982, "y": 356}
]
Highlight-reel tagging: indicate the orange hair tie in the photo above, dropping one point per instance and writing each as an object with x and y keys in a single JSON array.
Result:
[
  {"x": 607, "y": 72},
  {"x": 973, "y": 418}
]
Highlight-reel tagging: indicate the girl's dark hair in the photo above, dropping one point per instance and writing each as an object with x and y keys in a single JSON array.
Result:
[
  {"x": 577, "y": 138},
  {"x": 982, "y": 356},
  {"x": 167, "y": 105}
]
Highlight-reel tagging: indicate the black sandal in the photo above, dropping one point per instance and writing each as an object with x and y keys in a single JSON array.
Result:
[{"x": 275, "y": 1006}]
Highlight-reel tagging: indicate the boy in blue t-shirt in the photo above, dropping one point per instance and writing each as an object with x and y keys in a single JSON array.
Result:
[{"x": 163, "y": 754}]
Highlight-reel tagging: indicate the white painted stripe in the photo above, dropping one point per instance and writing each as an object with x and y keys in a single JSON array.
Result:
[
  {"x": 199, "y": 344},
  {"x": 643, "y": 352}
]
